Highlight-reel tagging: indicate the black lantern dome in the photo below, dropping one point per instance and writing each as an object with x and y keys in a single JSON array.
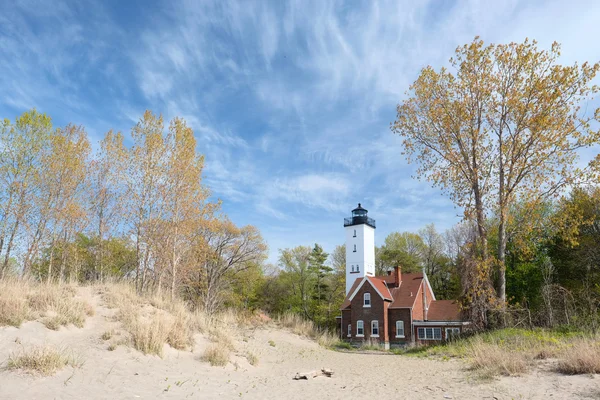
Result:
[{"x": 359, "y": 216}]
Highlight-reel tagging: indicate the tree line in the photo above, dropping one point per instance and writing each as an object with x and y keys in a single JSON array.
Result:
[{"x": 135, "y": 208}]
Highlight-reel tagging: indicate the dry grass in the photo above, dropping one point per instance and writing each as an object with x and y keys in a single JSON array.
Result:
[
  {"x": 252, "y": 358},
  {"x": 41, "y": 360},
  {"x": 181, "y": 333},
  {"x": 25, "y": 300},
  {"x": 222, "y": 336},
  {"x": 298, "y": 325},
  {"x": 216, "y": 354},
  {"x": 302, "y": 327},
  {"x": 490, "y": 360},
  {"x": 514, "y": 351},
  {"x": 153, "y": 320},
  {"x": 582, "y": 357}
]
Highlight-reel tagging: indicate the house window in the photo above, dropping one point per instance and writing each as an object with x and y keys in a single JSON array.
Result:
[
  {"x": 452, "y": 333},
  {"x": 374, "y": 328},
  {"x": 429, "y": 333},
  {"x": 349, "y": 330},
  {"x": 360, "y": 329},
  {"x": 355, "y": 233},
  {"x": 355, "y": 248},
  {"x": 367, "y": 300},
  {"x": 399, "y": 329}
]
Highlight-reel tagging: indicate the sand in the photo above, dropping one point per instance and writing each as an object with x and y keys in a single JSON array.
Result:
[{"x": 128, "y": 374}]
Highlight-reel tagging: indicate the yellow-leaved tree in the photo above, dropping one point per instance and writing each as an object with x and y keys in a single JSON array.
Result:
[{"x": 503, "y": 124}]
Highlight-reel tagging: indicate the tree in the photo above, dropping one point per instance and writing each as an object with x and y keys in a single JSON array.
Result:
[
  {"x": 438, "y": 266},
  {"x": 58, "y": 203},
  {"x": 184, "y": 197},
  {"x": 222, "y": 250},
  {"x": 107, "y": 193},
  {"x": 322, "y": 272},
  {"x": 21, "y": 149},
  {"x": 145, "y": 184},
  {"x": 296, "y": 262},
  {"x": 505, "y": 126},
  {"x": 401, "y": 249}
]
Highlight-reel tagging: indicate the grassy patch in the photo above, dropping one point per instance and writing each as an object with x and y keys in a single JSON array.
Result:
[
  {"x": 343, "y": 345},
  {"x": 582, "y": 357},
  {"x": 40, "y": 360},
  {"x": 490, "y": 360},
  {"x": 24, "y": 300},
  {"x": 514, "y": 351},
  {"x": 149, "y": 336},
  {"x": 302, "y": 327},
  {"x": 181, "y": 332},
  {"x": 252, "y": 358},
  {"x": 216, "y": 354}
]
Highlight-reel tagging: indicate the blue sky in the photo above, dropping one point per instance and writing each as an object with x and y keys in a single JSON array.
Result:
[{"x": 290, "y": 101}]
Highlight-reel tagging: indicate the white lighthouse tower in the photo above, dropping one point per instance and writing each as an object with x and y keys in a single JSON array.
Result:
[{"x": 360, "y": 246}]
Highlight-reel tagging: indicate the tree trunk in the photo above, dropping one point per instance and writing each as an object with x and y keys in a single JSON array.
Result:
[
  {"x": 173, "y": 265},
  {"x": 501, "y": 229},
  {"x": 49, "y": 278},
  {"x": 9, "y": 246},
  {"x": 502, "y": 259}
]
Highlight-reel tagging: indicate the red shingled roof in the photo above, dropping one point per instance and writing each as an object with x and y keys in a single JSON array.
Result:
[
  {"x": 380, "y": 286},
  {"x": 405, "y": 295},
  {"x": 443, "y": 310},
  {"x": 402, "y": 297},
  {"x": 377, "y": 282}
]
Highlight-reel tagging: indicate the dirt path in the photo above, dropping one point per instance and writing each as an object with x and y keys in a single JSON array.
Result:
[{"x": 128, "y": 374}]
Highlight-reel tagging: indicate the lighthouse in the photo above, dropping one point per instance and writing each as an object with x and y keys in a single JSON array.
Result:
[{"x": 360, "y": 246}]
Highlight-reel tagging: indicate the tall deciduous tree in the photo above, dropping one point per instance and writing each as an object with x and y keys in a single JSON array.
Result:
[
  {"x": 185, "y": 199},
  {"x": 107, "y": 193},
  {"x": 21, "y": 149},
  {"x": 145, "y": 185},
  {"x": 58, "y": 202},
  {"x": 504, "y": 125}
]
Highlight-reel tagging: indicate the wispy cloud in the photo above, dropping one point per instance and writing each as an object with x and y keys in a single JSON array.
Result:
[{"x": 290, "y": 101}]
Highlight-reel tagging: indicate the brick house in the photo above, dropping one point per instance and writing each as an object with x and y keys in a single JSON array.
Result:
[{"x": 396, "y": 309}]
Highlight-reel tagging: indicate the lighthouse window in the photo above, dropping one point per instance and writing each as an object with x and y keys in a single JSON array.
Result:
[
  {"x": 355, "y": 233},
  {"x": 353, "y": 268},
  {"x": 355, "y": 248}
]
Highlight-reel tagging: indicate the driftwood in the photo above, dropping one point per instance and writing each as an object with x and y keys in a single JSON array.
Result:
[{"x": 313, "y": 374}]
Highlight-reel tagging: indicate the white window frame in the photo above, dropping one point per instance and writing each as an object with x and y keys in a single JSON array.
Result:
[
  {"x": 360, "y": 329},
  {"x": 354, "y": 249},
  {"x": 454, "y": 332},
  {"x": 349, "y": 330},
  {"x": 354, "y": 233},
  {"x": 367, "y": 298},
  {"x": 429, "y": 333},
  {"x": 399, "y": 328},
  {"x": 374, "y": 324}
]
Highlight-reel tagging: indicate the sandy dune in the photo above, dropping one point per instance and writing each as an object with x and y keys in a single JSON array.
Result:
[{"x": 127, "y": 374}]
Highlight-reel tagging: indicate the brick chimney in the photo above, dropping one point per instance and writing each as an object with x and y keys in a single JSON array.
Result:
[{"x": 397, "y": 276}]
